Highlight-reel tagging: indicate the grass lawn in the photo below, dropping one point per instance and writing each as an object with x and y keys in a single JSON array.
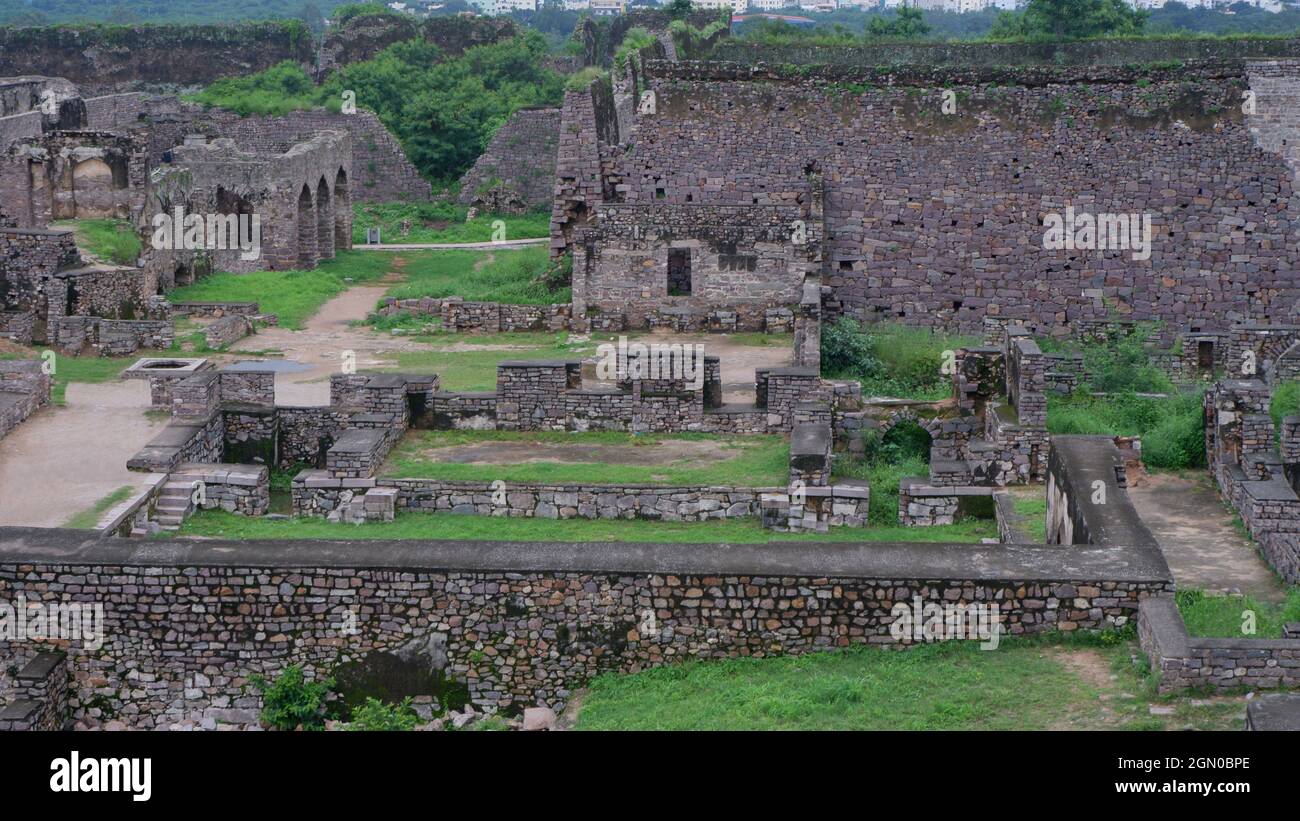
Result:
[
  {"x": 1025, "y": 684},
  {"x": 505, "y": 275},
  {"x": 1035, "y": 508},
  {"x": 292, "y": 295},
  {"x": 441, "y": 222},
  {"x": 476, "y": 370},
  {"x": 68, "y": 369},
  {"x": 749, "y": 461},
  {"x": 113, "y": 241},
  {"x": 222, "y": 525},
  {"x": 1224, "y": 616},
  {"x": 87, "y": 519}
]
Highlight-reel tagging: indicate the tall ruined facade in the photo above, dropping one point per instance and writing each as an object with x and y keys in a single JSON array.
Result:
[{"x": 924, "y": 195}]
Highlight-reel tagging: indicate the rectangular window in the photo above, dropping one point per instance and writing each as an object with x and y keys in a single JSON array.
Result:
[{"x": 679, "y": 272}]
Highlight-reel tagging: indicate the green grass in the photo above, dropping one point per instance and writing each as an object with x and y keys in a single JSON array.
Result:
[
  {"x": 87, "y": 519},
  {"x": 111, "y": 240},
  {"x": 1224, "y": 616},
  {"x": 1023, "y": 685},
  {"x": 219, "y": 524},
  {"x": 442, "y": 222},
  {"x": 507, "y": 275},
  {"x": 891, "y": 360},
  {"x": 476, "y": 370},
  {"x": 68, "y": 369},
  {"x": 1035, "y": 509},
  {"x": 293, "y": 296},
  {"x": 1285, "y": 402},
  {"x": 751, "y": 461},
  {"x": 1171, "y": 428}
]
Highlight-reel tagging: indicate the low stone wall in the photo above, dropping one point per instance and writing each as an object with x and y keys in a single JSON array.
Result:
[
  {"x": 517, "y": 624},
  {"x": 24, "y": 389},
  {"x": 37, "y": 698},
  {"x": 234, "y": 488},
  {"x": 317, "y": 493},
  {"x": 110, "y": 337},
  {"x": 1182, "y": 662},
  {"x": 358, "y": 452},
  {"x": 226, "y": 330},
  {"x": 216, "y": 309}
]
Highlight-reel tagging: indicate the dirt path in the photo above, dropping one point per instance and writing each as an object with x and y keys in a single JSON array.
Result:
[
  {"x": 323, "y": 339},
  {"x": 1198, "y": 536},
  {"x": 65, "y": 459}
]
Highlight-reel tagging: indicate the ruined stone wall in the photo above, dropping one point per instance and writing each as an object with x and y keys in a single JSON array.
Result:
[
  {"x": 105, "y": 58},
  {"x": 938, "y": 219},
  {"x": 523, "y": 634},
  {"x": 516, "y": 172},
  {"x": 741, "y": 258}
]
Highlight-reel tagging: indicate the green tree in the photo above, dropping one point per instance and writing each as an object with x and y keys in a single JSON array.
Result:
[
  {"x": 1070, "y": 20},
  {"x": 678, "y": 9},
  {"x": 906, "y": 24}
]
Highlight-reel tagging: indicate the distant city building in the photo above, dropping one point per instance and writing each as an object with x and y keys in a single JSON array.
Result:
[
  {"x": 606, "y": 7},
  {"x": 507, "y": 6},
  {"x": 736, "y": 6}
]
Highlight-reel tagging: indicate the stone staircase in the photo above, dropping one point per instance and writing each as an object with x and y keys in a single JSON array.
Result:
[{"x": 175, "y": 502}]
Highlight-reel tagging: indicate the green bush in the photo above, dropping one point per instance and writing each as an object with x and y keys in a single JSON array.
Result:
[
  {"x": 1171, "y": 427},
  {"x": 890, "y": 360},
  {"x": 375, "y": 715},
  {"x": 291, "y": 702}
]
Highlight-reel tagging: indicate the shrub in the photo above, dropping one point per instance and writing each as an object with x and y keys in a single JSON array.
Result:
[
  {"x": 890, "y": 360},
  {"x": 375, "y": 715},
  {"x": 846, "y": 349},
  {"x": 1171, "y": 427},
  {"x": 292, "y": 702}
]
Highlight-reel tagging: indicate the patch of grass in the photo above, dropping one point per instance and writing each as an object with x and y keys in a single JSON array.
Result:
[
  {"x": 111, "y": 240},
  {"x": 1032, "y": 684},
  {"x": 1034, "y": 508},
  {"x": 1171, "y": 428},
  {"x": 476, "y": 370},
  {"x": 87, "y": 519},
  {"x": 1225, "y": 616},
  {"x": 752, "y": 461},
  {"x": 442, "y": 222},
  {"x": 891, "y": 360},
  {"x": 222, "y": 525},
  {"x": 293, "y": 296},
  {"x": 507, "y": 275},
  {"x": 1285, "y": 402}
]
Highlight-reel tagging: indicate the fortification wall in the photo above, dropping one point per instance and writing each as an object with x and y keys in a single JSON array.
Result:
[
  {"x": 939, "y": 219},
  {"x": 105, "y": 59},
  {"x": 517, "y": 170},
  {"x": 516, "y": 623},
  {"x": 1088, "y": 53}
]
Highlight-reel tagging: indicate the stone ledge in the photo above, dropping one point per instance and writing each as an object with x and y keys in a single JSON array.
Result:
[{"x": 883, "y": 560}]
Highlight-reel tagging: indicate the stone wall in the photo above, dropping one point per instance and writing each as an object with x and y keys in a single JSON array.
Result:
[
  {"x": 317, "y": 493},
  {"x": 905, "y": 243},
  {"x": 517, "y": 624},
  {"x": 516, "y": 172},
  {"x": 116, "y": 58},
  {"x": 37, "y": 698},
  {"x": 1181, "y": 662},
  {"x": 24, "y": 389}
]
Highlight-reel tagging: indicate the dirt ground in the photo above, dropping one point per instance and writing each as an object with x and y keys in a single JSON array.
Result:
[
  {"x": 63, "y": 460},
  {"x": 665, "y": 452},
  {"x": 1197, "y": 534}
]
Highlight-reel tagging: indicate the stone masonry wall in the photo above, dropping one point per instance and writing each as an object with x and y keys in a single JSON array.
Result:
[
  {"x": 517, "y": 170},
  {"x": 516, "y": 638}
]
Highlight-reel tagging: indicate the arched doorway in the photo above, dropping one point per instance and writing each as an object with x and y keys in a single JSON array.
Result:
[
  {"x": 306, "y": 230},
  {"x": 342, "y": 212},
  {"x": 324, "y": 221}
]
